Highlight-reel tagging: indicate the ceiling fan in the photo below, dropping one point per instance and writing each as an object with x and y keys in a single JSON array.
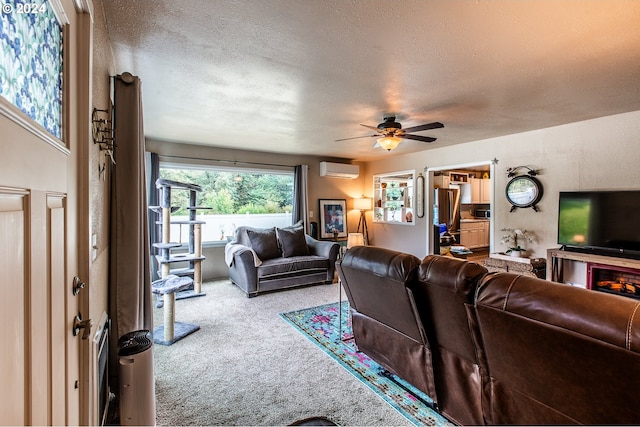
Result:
[{"x": 391, "y": 133}]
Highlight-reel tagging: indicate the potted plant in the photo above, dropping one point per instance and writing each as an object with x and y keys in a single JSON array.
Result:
[{"x": 513, "y": 239}]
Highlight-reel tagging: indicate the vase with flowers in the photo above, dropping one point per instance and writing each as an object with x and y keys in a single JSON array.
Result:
[{"x": 515, "y": 238}]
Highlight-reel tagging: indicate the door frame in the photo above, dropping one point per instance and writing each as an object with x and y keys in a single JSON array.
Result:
[
  {"x": 88, "y": 410},
  {"x": 63, "y": 188},
  {"x": 429, "y": 197}
]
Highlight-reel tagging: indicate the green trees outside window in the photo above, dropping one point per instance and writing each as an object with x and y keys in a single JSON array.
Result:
[{"x": 235, "y": 192}]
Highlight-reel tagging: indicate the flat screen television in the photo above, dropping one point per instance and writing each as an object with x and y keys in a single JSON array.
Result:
[{"x": 600, "y": 222}]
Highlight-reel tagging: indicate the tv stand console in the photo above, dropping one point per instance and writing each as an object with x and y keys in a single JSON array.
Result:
[
  {"x": 622, "y": 253},
  {"x": 597, "y": 269}
]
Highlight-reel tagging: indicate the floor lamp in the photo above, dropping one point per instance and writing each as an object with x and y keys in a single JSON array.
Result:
[{"x": 363, "y": 204}]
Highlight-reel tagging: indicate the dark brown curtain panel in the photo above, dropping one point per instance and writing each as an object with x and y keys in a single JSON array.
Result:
[
  {"x": 300, "y": 199},
  {"x": 129, "y": 284}
]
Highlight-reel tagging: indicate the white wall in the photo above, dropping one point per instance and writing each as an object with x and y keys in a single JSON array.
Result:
[
  {"x": 601, "y": 153},
  {"x": 99, "y": 187}
]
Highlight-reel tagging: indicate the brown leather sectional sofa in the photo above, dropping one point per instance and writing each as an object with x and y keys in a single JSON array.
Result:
[{"x": 496, "y": 348}]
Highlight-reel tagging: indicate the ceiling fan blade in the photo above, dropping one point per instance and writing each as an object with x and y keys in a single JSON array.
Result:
[
  {"x": 357, "y": 137},
  {"x": 419, "y": 138},
  {"x": 371, "y": 127},
  {"x": 434, "y": 125}
]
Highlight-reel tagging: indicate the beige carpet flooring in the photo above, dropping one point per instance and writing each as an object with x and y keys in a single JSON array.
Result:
[{"x": 247, "y": 366}]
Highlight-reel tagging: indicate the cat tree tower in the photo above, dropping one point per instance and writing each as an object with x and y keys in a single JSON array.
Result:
[{"x": 177, "y": 283}]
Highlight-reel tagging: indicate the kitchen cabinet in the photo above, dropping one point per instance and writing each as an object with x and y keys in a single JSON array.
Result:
[
  {"x": 480, "y": 190},
  {"x": 485, "y": 190},
  {"x": 451, "y": 178},
  {"x": 474, "y": 233},
  {"x": 458, "y": 177},
  {"x": 486, "y": 225},
  {"x": 441, "y": 181},
  {"x": 476, "y": 188}
]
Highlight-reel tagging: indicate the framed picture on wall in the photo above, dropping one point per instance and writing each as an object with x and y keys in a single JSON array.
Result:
[{"x": 333, "y": 218}]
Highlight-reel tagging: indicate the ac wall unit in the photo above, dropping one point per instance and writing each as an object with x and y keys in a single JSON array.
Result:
[{"x": 339, "y": 170}]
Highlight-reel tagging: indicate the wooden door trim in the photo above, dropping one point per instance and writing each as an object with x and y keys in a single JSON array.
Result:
[
  {"x": 13, "y": 113},
  {"x": 15, "y": 401}
]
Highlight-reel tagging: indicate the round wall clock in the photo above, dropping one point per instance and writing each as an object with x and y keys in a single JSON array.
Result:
[
  {"x": 420, "y": 196},
  {"x": 524, "y": 191}
]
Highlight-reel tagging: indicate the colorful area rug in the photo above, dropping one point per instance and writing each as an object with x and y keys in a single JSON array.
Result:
[{"x": 320, "y": 325}]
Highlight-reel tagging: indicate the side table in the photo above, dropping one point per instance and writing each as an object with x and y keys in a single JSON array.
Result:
[{"x": 535, "y": 267}]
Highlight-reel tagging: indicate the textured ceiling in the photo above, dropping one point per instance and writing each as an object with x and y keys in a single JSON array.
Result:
[{"x": 291, "y": 76}]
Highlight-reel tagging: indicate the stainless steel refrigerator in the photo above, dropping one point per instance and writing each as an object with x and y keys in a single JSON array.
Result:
[{"x": 446, "y": 209}]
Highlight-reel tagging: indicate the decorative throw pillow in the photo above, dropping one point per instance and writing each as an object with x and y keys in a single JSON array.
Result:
[
  {"x": 292, "y": 241},
  {"x": 264, "y": 243}
]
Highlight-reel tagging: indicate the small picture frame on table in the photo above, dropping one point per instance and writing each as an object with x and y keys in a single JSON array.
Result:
[{"x": 333, "y": 218}]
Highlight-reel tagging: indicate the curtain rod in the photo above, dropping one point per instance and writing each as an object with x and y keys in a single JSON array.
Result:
[{"x": 234, "y": 162}]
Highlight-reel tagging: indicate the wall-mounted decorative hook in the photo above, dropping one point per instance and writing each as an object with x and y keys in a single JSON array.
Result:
[
  {"x": 102, "y": 131},
  {"x": 110, "y": 154},
  {"x": 511, "y": 172}
]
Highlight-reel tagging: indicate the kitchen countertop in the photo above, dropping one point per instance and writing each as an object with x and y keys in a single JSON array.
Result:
[{"x": 473, "y": 219}]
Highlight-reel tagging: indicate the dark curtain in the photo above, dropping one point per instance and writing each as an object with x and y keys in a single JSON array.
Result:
[
  {"x": 300, "y": 199},
  {"x": 129, "y": 283}
]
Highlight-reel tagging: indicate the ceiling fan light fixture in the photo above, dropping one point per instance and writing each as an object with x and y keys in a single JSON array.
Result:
[{"x": 389, "y": 142}]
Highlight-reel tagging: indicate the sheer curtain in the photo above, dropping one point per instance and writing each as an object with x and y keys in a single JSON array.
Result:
[
  {"x": 152, "y": 162},
  {"x": 129, "y": 284},
  {"x": 300, "y": 198}
]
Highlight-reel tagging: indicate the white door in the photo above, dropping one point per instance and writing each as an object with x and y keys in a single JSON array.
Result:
[
  {"x": 39, "y": 354},
  {"x": 43, "y": 244},
  {"x": 38, "y": 226}
]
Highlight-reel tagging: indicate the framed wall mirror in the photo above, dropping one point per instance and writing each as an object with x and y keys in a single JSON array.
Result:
[
  {"x": 419, "y": 196},
  {"x": 394, "y": 198}
]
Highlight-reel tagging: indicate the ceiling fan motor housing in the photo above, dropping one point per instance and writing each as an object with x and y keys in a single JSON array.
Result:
[{"x": 389, "y": 124}]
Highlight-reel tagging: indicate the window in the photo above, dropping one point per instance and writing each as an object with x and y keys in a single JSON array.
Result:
[
  {"x": 235, "y": 197},
  {"x": 32, "y": 64}
]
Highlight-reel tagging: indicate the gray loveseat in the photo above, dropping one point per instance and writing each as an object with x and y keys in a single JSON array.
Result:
[{"x": 267, "y": 259}]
